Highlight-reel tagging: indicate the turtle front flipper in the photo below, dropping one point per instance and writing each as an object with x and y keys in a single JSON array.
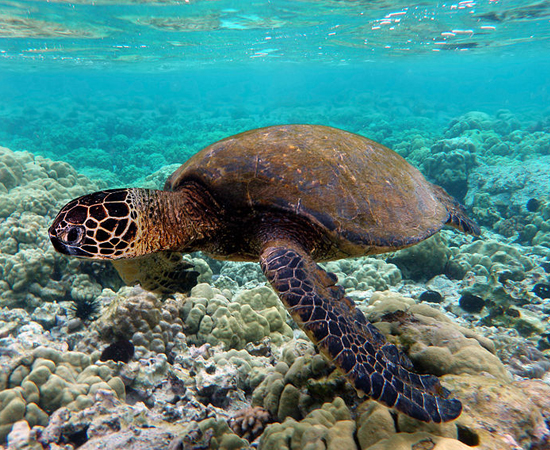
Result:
[
  {"x": 161, "y": 272},
  {"x": 341, "y": 331}
]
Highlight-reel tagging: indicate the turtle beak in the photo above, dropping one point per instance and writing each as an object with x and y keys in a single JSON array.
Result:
[
  {"x": 61, "y": 245},
  {"x": 57, "y": 244}
]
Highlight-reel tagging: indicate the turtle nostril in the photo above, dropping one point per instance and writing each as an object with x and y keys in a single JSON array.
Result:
[{"x": 73, "y": 235}]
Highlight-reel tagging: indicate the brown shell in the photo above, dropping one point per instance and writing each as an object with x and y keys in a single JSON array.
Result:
[{"x": 366, "y": 196}]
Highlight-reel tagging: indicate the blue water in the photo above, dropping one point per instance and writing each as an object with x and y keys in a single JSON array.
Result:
[
  {"x": 171, "y": 34},
  {"x": 64, "y": 113},
  {"x": 73, "y": 76}
]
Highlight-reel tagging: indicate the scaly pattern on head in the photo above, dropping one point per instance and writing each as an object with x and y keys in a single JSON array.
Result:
[{"x": 102, "y": 225}]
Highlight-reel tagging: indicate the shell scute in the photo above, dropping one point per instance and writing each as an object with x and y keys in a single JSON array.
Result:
[{"x": 360, "y": 193}]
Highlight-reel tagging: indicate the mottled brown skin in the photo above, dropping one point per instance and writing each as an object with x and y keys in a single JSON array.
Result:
[{"x": 287, "y": 196}]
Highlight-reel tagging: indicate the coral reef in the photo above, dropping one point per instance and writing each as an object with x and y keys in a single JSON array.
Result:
[
  {"x": 431, "y": 340},
  {"x": 502, "y": 278},
  {"x": 37, "y": 384},
  {"x": 499, "y": 195},
  {"x": 213, "y": 317},
  {"x": 187, "y": 397},
  {"x": 244, "y": 274},
  {"x": 473, "y": 120},
  {"x": 364, "y": 273},
  {"x": 435, "y": 345},
  {"x": 139, "y": 316},
  {"x": 299, "y": 384},
  {"x": 489, "y": 257},
  {"x": 331, "y": 424},
  {"x": 32, "y": 189},
  {"x": 250, "y": 423},
  {"x": 424, "y": 260},
  {"x": 506, "y": 410},
  {"x": 109, "y": 423},
  {"x": 450, "y": 164}
]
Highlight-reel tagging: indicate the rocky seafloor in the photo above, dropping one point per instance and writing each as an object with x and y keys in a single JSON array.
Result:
[{"x": 224, "y": 367}]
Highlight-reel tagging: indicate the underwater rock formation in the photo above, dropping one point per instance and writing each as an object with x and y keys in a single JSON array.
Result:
[
  {"x": 499, "y": 195},
  {"x": 364, "y": 273},
  {"x": 248, "y": 317},
  {"x": 35, "y": 385},
  {"x": 424, "y": 260},
  {"x": 32, "y": 189},
  {"x": 450, "y": 164}
]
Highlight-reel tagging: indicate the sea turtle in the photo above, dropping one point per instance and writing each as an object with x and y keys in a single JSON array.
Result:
[{"x": 287, "y": 196}]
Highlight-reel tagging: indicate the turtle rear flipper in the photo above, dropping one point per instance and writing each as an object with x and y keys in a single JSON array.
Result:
[
  {"x": 161, "y": 272},
  {"x": 457, "y": 216},
  {"x": 341, "y": 331}
]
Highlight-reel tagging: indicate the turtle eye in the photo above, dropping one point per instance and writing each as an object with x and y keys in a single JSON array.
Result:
[{"x": 72, "y": 235}]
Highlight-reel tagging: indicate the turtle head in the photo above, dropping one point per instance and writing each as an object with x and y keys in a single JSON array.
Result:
[{"x": 102, "y": 225}]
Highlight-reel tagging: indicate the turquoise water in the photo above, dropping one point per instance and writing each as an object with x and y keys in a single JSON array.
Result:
[
  {"x": 183, "y": 74},
  {"x": 172, "y": 34},
  {"x": 74, "y": 114}
]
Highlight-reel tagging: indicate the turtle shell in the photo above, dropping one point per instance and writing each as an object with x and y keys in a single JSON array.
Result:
[{"x": 366, "y": 197}]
